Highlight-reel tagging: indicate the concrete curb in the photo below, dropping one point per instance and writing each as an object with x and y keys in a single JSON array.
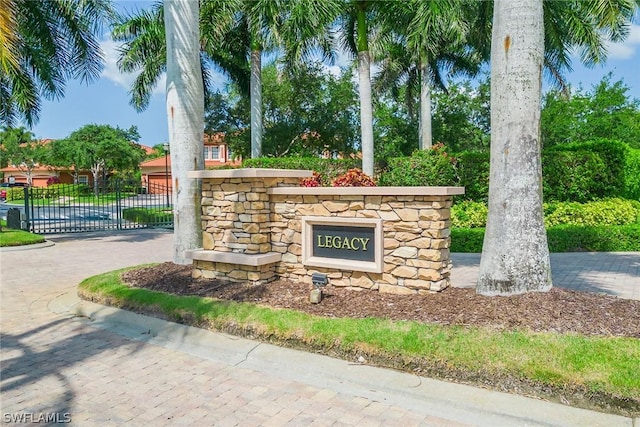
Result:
[
  {"x": 461, "y": 403},
  {"x": 46, "y": 244}
]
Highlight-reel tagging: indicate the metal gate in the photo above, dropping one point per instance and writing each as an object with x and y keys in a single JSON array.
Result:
[{"x": 119, "y": 205}]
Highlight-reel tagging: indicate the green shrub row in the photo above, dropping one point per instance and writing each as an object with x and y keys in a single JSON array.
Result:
[
  {"x": 149, "y": 216},
  {"x": 48, "y": 192},
  {"x": 60, "y": 190},
  {"x": 469, "y": 214},
  {"x": 14, "y": 193},
  {"x": 329, "y": 169},
  {"x": 591, "y": 170},
  {"x": 434, "y": 167},
  {"x": 578, "y": 172},
  {"x": 563, "y": 238}
]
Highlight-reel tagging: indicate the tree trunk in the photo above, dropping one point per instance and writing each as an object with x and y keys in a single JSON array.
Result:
[
  {"x": 425, "y": 135},
  {"x": 185, "y": 113},
  {"x": 256, "y": 103},
  {"x": 515, "y": 255},
  {"x": 364, "y": 89}
]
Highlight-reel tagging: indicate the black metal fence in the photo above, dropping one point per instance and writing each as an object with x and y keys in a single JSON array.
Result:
[{"x": 119, "y": 205}]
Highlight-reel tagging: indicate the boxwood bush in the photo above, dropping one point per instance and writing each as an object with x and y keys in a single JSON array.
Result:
[
  {"x": 473, "y": 170},
  {"x": 563, "y": 238},
  {"x": 328, "y": 169},
  {"x": 590, "y": 170},
  {"x": 433, "y": 167},
  {"x": 469, "y": 214},
  {"x": 149, "y": 216}
]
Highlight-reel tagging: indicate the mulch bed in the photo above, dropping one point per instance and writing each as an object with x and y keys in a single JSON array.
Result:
[{"x": 559, "y": 310}]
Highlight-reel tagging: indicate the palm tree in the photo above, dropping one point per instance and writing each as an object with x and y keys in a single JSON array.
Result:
[
  {"x": 295, "y": 26},
  {"x": 569, "y": 26},
  {"x": 44, "y": 44},
  {"x": 515, "y": 254},
  {"x": 430, "y": 38},
  {"x": 584, "y": 26},
  {"x": 234, "y": 34},
  {"x": 143, "y": 48},
  {"x": 355, "y": 22},
  {"x": 185, "y": 116}
]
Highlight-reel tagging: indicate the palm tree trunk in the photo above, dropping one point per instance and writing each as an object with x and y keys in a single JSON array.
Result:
[
  {"x": 364, "y": 89},
  {"x": 256, "y": 103},
  {"x": 515, "y": 255},
  {"x": 185, "y": 113},
  {"x": 425, "y": 133}
]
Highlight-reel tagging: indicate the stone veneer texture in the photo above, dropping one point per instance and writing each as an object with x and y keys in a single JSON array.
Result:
[
  {"x": 249, "y": 213},
  {"x": 416, "y": 239}
]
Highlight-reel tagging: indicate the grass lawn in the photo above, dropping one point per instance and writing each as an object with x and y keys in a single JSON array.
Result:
[
  {"x": 10, "y": 237},
  {"x": 604, "y": 370}
]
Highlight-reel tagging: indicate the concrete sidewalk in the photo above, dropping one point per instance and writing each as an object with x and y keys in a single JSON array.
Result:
[{"x": 99, "y": 365}]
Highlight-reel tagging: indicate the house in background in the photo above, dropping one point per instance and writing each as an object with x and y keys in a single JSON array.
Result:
[
  {"x": 156, "y": 173},
  {"x": 43, "y": 175}
]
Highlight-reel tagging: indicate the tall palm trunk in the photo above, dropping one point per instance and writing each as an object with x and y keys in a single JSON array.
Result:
[
  {"x": 185, "y": 113},
  {"x": 425, "y": 133},
  {"x": 256, "y": 103},
  {"x": 515, "y": 255},
  {"x": 364, "y": 89}
]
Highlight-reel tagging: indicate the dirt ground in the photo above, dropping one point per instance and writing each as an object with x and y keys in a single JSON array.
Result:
[{"x": 559, "y": 310}]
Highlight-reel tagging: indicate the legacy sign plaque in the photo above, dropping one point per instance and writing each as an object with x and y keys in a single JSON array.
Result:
[{"x": 343, "y": 243}]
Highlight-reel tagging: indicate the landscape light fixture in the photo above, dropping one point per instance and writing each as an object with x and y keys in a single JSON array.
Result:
[{"x": 319, "y": 279}]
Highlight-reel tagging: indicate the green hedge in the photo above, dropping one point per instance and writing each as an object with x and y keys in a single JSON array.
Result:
[
  {"x": 563, "y": 238},
  {"x": 469, "y": 214},
  {"x": 328, "y": 168},
  {"x": 60, "y": 190},
  {"x": 602, "y": 212},
  {"x": 473, "y": 170},
  {"x": 578, "y": 172},
  {"x": 585, "y": 171},
  {"x": 632, "y": 174},
  {"x": 432, "y": 167},
  {"x": 149, "y": 216},
  {"x": 14, "y": 193}
]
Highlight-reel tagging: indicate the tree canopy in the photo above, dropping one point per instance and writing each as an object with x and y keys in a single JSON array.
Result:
[
  {"x": 605, "y": 111},
  {"x": 100, "y": 149},
  {"x": 43, "y": 44}
]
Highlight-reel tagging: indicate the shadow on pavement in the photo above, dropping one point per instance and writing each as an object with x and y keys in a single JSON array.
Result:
[
  {"x": 28, "y": 371},
  {"x": 139, "y": 235}
]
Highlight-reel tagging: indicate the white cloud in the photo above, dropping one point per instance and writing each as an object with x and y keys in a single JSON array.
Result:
[
  {"x": 111, "y": 72},
  {"x": 628, "y": 48}
]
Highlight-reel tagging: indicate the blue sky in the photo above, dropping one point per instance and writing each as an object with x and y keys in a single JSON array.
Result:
[{"x": 106, "y": 101}]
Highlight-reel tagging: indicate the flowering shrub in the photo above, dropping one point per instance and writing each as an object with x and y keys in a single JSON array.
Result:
[
  {"x": 53, "y": 180},
  {"x": 314, "y": 181},
  {"x": 353, "y": 178}
]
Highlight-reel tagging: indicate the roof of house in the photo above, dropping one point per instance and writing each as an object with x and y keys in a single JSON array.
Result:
[{"x": 158, "y": 161}]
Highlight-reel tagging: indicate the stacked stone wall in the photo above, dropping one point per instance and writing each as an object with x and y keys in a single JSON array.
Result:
[
  {"x": 416, "y": 239},
  {"x": 252, "y": 224}
]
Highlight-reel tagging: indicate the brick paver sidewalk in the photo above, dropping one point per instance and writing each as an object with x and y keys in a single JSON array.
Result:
[{"x": 55, "y": 367}]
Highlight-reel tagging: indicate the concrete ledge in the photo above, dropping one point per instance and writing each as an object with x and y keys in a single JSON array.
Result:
[
  {"x": 234, "y": 258},
  {"x": 250, "y": 173},
  {"x": 368, "y": 191}
]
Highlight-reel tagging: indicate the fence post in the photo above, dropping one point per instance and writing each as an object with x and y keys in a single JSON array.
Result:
[
  {"x": 26, "y": 210},
  {"x": 118, "y": 203}
]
